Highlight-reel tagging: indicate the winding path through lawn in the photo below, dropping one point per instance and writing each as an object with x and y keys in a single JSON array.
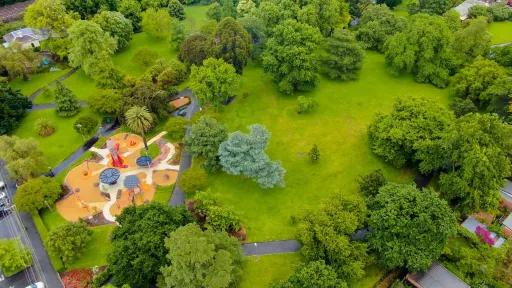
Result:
[{"x": 38, "y": 92}]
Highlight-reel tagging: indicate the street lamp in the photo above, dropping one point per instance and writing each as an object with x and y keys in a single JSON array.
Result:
[{"x": 79, "y": 126}]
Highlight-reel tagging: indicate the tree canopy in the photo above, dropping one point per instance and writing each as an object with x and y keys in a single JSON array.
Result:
[
  {"x": 37, "y": 193},
  {"x": 48, "y": 14},
  {"x": 14, "y": 257},
  {"x": 69, "y": 240},
  {"x": 24, "y": 158},
  {"x": 343, "y": 57},
  {"x": 232, "y": 43},
  {"x": 66, "y": 103},
  {"x": 202, "y": 259},
  {"x": 204, "y": 139},
  {"x": 116, "y": 25},
  {"x": 156, "y": 23},
  {"x": 138, "y": 243},
  {"x": 376, "y": 25},
  {"x": 313, "y": 274},
  {"x": 13, "y": 107},
  {"x": 409, "y": 227},
  {"x": 195, "y": 49}
]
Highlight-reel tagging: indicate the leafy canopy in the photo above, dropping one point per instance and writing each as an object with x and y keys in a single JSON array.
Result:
[{"x": 37, "y": 193}]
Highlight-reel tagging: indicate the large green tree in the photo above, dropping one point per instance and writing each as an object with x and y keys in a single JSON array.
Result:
[
  {"x": 214, "y": 82},
  {"x": 156, "y": 23},
  {"x": 244, "y": 154},
  {"x": 143, "y": 92},
  {"x": 195, "y": 49},
  {"x": 423, "y": 48},
  {"x": 313, "y": 274},
  {"x": 290, "y": 56},
  {"x": 176, "y": 10},
  {"x": 343, "y": 56},
  {"x": 438, "y": 7},
  {"x": 204, "y": 139},
  {"x": 202, "y": 259},
  {"x": 13, "y": 106},
  {"x": 401, "y": 136},
  {"x": 131, "y": 10},
  {"x": 326, "y": 15},
  {"x": 69, "y": 240},
  {"x": 18, "y": 62},
  {"x": 23, "y": 156},
  {"x": 66, "y": 103},
  {"x": 471, "y": 41},
  {"x": 409, "y": 227},
  {"x": 138, "y": 243},
  {"x": 36, "y": 194},
  {"x": 376, "y": 25},
  {"x": 117, "y": 26},
  {"x": 88, "y": 8},
  {"x": 325, "y": 235},
  {"x": 232, "y": 43},
  {"x": 48, "y": 14},
  {"x": 14, "y": 257}
]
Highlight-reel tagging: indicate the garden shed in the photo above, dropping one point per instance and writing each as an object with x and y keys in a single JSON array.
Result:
[{"x": 437, "y": 276}]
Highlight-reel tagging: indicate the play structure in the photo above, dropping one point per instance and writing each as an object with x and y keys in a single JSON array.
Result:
[{"x": 121, "y": 175}]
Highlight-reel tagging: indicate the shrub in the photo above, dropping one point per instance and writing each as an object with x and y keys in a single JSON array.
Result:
[
  {"x": 86, "y": 125},
  {"x": 500, "y": 12},
  {"x": 462, "y": 107},
  {"x": 193, "y": 179},
  {"x": 479, "y": 10},
  {"x": 101, "y": 279},
  {"x": 175, "y": 128},
  {"x": 305, "y": 104},
  {"x": 44, "y": 127},
  {"x": 314, "y": 154},
  {"x": 145, "y": 57},
  {"x": 69, "y": 240},
  {"x": 218, "y": 218}
]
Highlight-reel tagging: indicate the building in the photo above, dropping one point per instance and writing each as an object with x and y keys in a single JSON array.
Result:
[
  {"x": 463, "y": 8},
  {"x": 435, "y": 277},
  {"x": 506, "y": 195},
  {"x": 27, "y": 37}
]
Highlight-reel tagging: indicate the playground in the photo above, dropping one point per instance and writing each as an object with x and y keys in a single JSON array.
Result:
[{"x": 120, "y": 175}]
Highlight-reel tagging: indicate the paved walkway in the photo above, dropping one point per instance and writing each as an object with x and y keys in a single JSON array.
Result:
[
  {"x": 13, "y": 11},
  {"x": 38, "y": 107},
  {"x": 271, "y": 247}
]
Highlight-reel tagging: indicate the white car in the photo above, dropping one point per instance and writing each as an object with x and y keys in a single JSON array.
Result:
[
  {"x": 36, "y": 285},
  {"x": 2, "y": 185}
]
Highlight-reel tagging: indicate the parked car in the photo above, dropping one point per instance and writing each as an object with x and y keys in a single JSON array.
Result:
[{"x": 4, "y": 202}]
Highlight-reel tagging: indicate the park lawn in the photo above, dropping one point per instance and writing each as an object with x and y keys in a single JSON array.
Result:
[
  {"x": 60, "y": 144},
  {"x": 195, "y": 18},
  {"x": 97, "y": 250},
  {"x": 36, "y": 81},
  {"x": 82, "y": 85},
  {"x": 338, "y": 127},
  {"x": 261, "y": 271},
  {"x": 163, "y": 194},
  {"x": 501, "y": 32}
]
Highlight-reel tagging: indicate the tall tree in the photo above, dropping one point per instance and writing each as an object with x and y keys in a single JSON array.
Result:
[
  {"x": 290, "y": 56},
  {"x": 48, "y": 14},
  {"x": 156, "y": 23},
  {"x": 176, "y": 10},
  {"x": 177, "y": 33},
  {"x": 423, "y": 48},
  {"x": 66, "y": 103},
  {"x": 138, "y": 243},
  {"x": 18, "y": 62},
  {"x": 244, "y": 154},
  {"x": 91, "y": 47},
  {"x": 202, "y": 259},
  {"x": 214, "y": 82},
  {"x": 376, "y": 25},
  {"x": 436, "y": 7},
  {"x": 471, "y": 41},
  {"x": 139, "y": 120},
  {"x": 69, "y": 240},
  {"x": 326, "y": 15},
  {"x": 88, "y": 8},
  {"x": 232, "y": 43},
  {"x": 24, "y": 158},
  {"x": 13, "y": 107},
  {"x": 325, "y": 235},
  {"x": 195, "y": 49},
  {"x": 132, "y": 10},
  {"x": 409, "y": 227},
  {"x": 36, "y": 194},
  {"x": 116, "y": 25},
  {"x": 14, "y": 257},
  {"x": 313, "y": 274},
  {"x": 204, "y": 139},
  {"x": 245, "y": 7},
  {"x": 343, "y": 56}
]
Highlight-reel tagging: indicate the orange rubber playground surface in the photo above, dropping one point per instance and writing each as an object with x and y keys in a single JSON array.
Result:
[{"x": 136, "y": 184}]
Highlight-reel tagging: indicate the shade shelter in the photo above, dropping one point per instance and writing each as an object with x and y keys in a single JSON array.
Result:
[{"x": 109, "y": 176}]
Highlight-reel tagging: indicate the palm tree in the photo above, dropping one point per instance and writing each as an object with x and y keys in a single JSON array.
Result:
[{"x": 139, "y": 120}]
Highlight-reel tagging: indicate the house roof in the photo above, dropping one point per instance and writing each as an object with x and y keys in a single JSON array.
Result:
[
  {"x": 25, "y": 35},
  {"x": 436, "y": 277},
  {"x": 463, "y": 7}
]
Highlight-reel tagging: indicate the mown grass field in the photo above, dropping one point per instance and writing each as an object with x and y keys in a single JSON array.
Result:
[
  {"x": 501, "y": 32},
  {"x": 261, "y": 271}
]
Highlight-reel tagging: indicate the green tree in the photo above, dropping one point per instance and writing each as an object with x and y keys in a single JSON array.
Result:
[
  {"x": 409, "y": 227},
  {"x": 66, "y": 103},
  {"x": 107, "y": 101},
  {"x": 343, "y": 56},
  {"x": 306, "y": 104},
  {"x": 313, "y": 274},
  {"x": 131, "y": 10},
  {"x": 473, "y": 80},
  {"x": 256, "y": 29},
  {"x": 500, "y": 12},
  {"x": 13, "y": 107},
  {"x": 24, "y": 158},
  {"x": 244, "y": 154},
  {"x": 176, "y": 10},
  {"x": 477, "y": 148},
  {"x": 18, "y": 62},
  {"x": 232, "y": 43},
  {"x": 438, "y": 7},
  {"x": 193, "y": 179},
  {"x": 370, "y": 184},
  {"x": 214, "y": 82},
  {"x": 69, "y": 240},
  {"x": 139, "y": 120},
  {"x": 290, "y": 56},
  {"x": 204, "y": 139},
  {"x": 502, "y": 55},
  {"x": 48, "y": 14},
  {"x": 471, "y": 41},
  {"x": 424, "y": 49},
  {"x": 214, "y": 11},
  {"x": 116, "y": 25},
  {"x": 138, "y": 243},
  {"x": 390, "y": 3},
  {"x": 202, "y": 259},
  {"x": 167, "y": 73},
  {"x": 245, "y": 7},
  {"x": 14, "y": 257},
  {"x": 376, "y": 25},
  {"x": 86, "y": 125},
  {"x": 462, "y": 107},
  {"x": 88, "y": 8},
  {"x": 325, "y": 235},
  {"x": 44, "y": 127},
  {"x": 143, "y": 92},
  {"x": 156, "y": 23},
  {"x": 91, "y": 47},
  {"x": 477, "y": 11},
  {"x": 326, "y": 15},
  {"x": 36, "y": 194},
  {"x": 177, "y": 33},
  {"x": 176, "y": 127},
  {"x": 401, "y": 136},
  {"x": 195, "y": 49},
  {"x": 218, "y": 218}
]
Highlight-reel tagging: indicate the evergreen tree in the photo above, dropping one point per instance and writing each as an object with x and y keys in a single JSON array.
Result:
[
  {"x": 66, "y": 103},
  {"x": 232, "y": 43},
  {"x": 343, "y": 57}
]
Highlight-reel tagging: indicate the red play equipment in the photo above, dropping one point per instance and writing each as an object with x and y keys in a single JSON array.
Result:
[{"x": 117, "y": 161}]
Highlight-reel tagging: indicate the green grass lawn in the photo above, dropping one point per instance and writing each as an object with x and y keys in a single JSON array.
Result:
[
  {"x": 501, "y": 32},
  {"x": 81, "y": 85},
  {"x": 261, "y": 271},
  {"x": 96, "y": 251},
  {"x": 338, "y": 127},
  {"x": 195, "y": 18},
  {"x": 163, "y": 194},
  {"x": 60, "y": 144},
  {"x": 36, "y": 81}
]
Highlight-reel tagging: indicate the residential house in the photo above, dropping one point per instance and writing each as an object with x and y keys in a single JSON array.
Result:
[
  {"x": 437, "y": 276},
  {"x": 27, "y": 37}
]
